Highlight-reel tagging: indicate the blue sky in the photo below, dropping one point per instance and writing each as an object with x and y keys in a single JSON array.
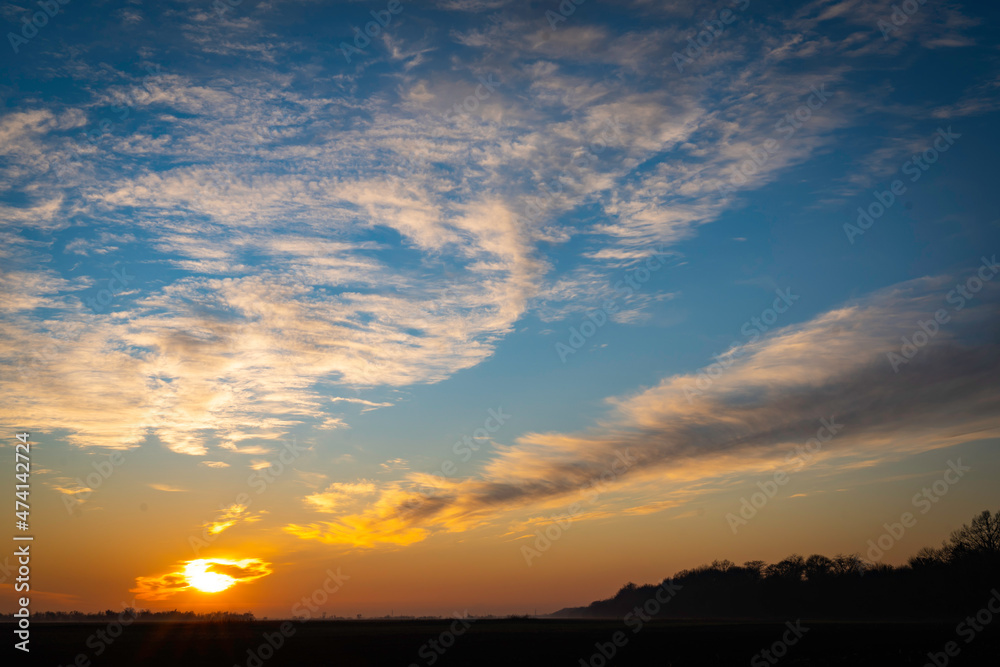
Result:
[{"x": 221, "y": 231}]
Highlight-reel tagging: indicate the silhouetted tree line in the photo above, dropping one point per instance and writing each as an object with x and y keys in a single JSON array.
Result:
[
  {"x": 130, "y": 613},
  {"x": 935, "y": 583}
]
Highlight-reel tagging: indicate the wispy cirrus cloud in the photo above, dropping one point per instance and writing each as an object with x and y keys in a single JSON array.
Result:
[{"x": 368, "y": 405}]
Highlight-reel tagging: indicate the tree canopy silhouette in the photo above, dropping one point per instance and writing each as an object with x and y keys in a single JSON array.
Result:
[{"x": 936, "y": 583}]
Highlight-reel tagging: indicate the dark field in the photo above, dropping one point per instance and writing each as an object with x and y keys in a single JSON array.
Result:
[{"x": 505, "y": 642}]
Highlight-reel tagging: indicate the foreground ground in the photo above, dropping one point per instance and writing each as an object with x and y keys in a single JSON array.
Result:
[{"x": 505, "y": 642}]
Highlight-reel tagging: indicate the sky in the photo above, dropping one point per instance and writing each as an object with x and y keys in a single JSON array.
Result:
[{"x": 477, "y": 306}]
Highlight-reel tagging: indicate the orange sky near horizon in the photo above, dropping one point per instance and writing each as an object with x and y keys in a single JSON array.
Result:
[{"x": 91, "y": 559}]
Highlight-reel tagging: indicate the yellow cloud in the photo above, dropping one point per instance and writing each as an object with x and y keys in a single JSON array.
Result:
[
  {"x": 168, "y": 488},
  {"x": 339, "y": 494},
  {"x": 230, "y": 516}
]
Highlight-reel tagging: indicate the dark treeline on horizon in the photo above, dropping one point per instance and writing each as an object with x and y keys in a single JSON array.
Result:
[
  {"x": 132, "y": 614},
  {"x": 953, "y": 580},
  {"x": 936, "y": 583}
]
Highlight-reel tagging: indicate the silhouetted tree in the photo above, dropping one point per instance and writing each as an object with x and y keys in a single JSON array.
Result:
[
  {"x": 789, "y": 569},
  {"x": 936, "y": 583},
  {"x": 929, "y": 557},
  {"x": 981, "y": 538},
  {"x": 754, "y": 568},
  {"x": 723, "y": 565},
  {"x": 818, "y": 567},
  {"x": 848, "y": 564}
]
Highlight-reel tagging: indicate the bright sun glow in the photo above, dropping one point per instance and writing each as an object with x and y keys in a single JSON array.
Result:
[
  {"x": 197, "y": 574},
  {"x": 207, "y": 575}
]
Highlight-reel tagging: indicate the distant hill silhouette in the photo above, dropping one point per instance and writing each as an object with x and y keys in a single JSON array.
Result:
[{"x": 939, "y": 583}]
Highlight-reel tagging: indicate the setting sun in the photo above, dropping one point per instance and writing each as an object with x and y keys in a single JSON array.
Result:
[
  {"x": 207, "y": 575},
  {"x": 197, "y": 574}
]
